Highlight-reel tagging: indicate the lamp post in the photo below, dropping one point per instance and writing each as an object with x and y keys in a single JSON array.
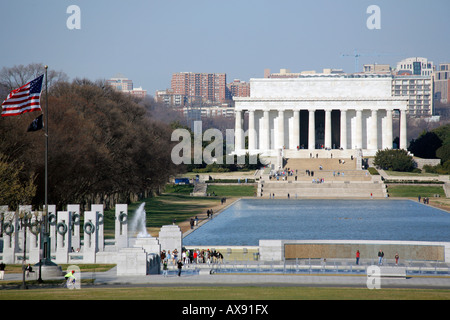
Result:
[{"x": 25, "y": 218}]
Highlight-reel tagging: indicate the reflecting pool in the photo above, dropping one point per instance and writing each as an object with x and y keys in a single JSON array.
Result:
[{"x": 248, "y": 220}]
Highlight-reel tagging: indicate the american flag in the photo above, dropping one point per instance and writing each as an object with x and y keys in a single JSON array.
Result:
[{"x": 23, "y": 99}]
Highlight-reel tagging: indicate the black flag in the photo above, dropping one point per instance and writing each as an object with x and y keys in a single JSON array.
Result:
[{"x": 37, "y": 124}]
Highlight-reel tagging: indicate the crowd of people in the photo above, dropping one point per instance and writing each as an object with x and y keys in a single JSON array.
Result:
[{"x": 191, "y": 256}]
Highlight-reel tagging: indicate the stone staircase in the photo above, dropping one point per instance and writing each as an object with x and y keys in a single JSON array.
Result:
[
  {"x": 321, "y": 178},
  {"x": 199, "y": 189}
]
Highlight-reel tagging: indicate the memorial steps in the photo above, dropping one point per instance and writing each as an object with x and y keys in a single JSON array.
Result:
[{"x": 322, "y": 178}]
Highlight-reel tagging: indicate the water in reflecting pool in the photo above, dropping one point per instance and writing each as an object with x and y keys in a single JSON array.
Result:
[{"x": 249, "y": 220}]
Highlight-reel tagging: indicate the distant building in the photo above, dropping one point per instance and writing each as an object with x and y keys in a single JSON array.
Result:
[
  {"x": 286, "y": 73},
  {"x": 415, "y": 66},
  {"x": 122, "y": 84},
  {"x": 138, "y": 92},
  {"x": 377, "y": 68},
  {"x": 441, "y": 78},
  {"x": 238, "y": 88},
  {"x": 222, "y": 110},
  {"x": 169, "y": 98},
  {"x": 419, "y": 90},
  {"x": 200, "y": 87}
]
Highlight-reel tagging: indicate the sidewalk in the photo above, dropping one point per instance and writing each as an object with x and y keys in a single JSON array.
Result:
[
  {"x": 282, "y": 280},
  {"x": 234, "y": 279}
]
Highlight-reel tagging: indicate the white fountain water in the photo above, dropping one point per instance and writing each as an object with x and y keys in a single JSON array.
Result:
[{"x": 138, "y": 222}]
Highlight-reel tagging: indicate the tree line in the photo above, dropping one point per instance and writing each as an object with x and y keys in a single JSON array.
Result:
[
  {"x": 433, "y": 144},
  {"x": 104, "y": 146}
]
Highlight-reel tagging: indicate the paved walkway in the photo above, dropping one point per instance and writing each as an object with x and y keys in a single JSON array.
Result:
[{"x": 283, "y": 280}]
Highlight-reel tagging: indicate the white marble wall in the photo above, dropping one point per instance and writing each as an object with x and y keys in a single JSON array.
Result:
[{"x": 365, "y": 106}]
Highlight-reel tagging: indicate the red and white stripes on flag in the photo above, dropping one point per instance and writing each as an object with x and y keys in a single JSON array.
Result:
[{"x": 23, "y": 99}]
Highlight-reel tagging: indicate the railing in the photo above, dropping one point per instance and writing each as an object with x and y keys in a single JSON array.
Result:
[{"x": 315, "y": 266}]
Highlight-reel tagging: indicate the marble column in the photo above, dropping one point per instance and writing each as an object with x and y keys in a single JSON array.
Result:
[
  {"x": 374, "y": 130},
  {"x": 327, "y": 128},
  {"x": 311, "y": 131},
  {"x": 280, "y": 129},
  {"x": 388, "y": 133},
  {"x": 296, "y": 130},
  {"x": 265, "y": 142},
  {"x": 343, "y": 129},
  {"x": 238, "y": 132},
  {"x": 358, "y": 134},
  {"x": 251, "y": 131},
  {"x": 403, "y": 135}
]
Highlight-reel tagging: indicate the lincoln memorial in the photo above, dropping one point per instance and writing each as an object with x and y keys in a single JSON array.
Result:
[{"x": 301, "y": 116}]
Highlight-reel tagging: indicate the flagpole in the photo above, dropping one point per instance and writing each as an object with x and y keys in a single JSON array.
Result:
[
  {"x": 46, "y": 261},
  {"x": 47, "y": 256},
  {"x": 46, "y": 143}
]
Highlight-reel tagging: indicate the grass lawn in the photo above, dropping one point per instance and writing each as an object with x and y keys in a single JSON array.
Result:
[
  {"x": 163, "y": 209},
  {"x": 238, "y": 190},
  {"x": 413, "y": 191},
  {"x": 224, "y": 293},
  {"x": 410, "y": 174}
]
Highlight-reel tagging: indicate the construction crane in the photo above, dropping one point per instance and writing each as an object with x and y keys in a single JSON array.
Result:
[{"x": 357, "y": 54}]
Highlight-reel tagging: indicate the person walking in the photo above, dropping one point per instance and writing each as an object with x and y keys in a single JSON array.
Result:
[
  {"x": 165, "y": 268},
  {"x": 180, "y": 265},
  {"x": 380, "y": 257},
  {"x": 357, "y": 256},
  {"x": 396, "y": 258},
  {"x": 2, "y": 270}
]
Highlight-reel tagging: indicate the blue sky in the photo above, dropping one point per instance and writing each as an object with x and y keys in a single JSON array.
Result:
[{"x": 148, "y": 40}]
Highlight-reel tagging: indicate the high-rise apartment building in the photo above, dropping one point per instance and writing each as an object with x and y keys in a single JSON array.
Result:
[
  {"x": 441, "y": 79},
  {"x": 200, "y": 87}
]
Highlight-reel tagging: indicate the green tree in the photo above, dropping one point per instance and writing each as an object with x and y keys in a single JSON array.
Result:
[
  {"x": 394, "y": 159},
  {"x": 425, "y": 145}
]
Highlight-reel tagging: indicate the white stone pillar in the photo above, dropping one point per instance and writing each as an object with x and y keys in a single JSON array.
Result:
[
  {"x": 343, "y": 129},
  {"x": 388, "y": 133},
  {"x": 10, "y": 237},
  {"x": 238, "y": 133},
  {"x": 403, "y": 139},
  {"x": 121, "y": 226},
  {"x": 327, "y": 128},
  {"x": 98, "y": 210},
  {"x": 64, "y": 236},
  {"x": 280, "y": 129},
  {"x": 265, "y": 142},
  {"x": 90, "y": 247},
  {"x": 251, "y": 131},
  {"x": 52, "y": 220},
  {"x": 358, "y": 129},
  {"x": 35, "y": 238},
  {"x": 374, "y": 130},
  {"x": 296, "y": 130},
  {"x": 171, "y": 238},
  {"x": 74, "y": 210},
  {"x": 311, "y": 131}
]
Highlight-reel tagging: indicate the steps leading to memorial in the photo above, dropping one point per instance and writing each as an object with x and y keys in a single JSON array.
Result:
[
  {"x": 315, "y": 163},
  {"x": 281, "y": 189},
  {"x": 321, "y": 178}
]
